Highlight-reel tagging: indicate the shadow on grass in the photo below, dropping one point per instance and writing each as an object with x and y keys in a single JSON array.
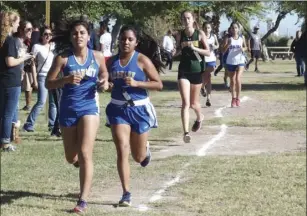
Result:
[
  {"x": 268, "y": 86},
  {"x": 8, "y": 197}
]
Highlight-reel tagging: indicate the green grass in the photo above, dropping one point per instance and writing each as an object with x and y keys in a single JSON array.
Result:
[
  {"x": 36, "y": 180},
  {"x": 254, "y": 185}
]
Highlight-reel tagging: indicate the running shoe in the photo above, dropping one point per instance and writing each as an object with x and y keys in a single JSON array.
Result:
[
  {"x": 26, "y": 108},
  {"x": 196, "y": 126},
  {"x": 238, "y": 102},
  {"x": 76, "y": 164},
  {"x": 203, "y": 92},
  {"x": 125, "y": 201},
  {"x": 80, "y": 207},
  {"x": 233, "y": 102},
  {"x": 27, "y": 129},
  {"x": 186, "y": 137},
  {"x": 208, "y": 103},
  {"x": 9, "y": 148},
  {"x": 147, "y": 160}
]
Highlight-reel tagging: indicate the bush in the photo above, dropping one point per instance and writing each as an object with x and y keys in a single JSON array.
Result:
[{"x": 274, "y": 40}]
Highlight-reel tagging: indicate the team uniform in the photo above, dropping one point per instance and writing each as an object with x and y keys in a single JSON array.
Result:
[
  {"x": 82, "y": 99},
  {"x": 190, "y": 66},
  {"x": 235, "y": 56},
  {"x": 211, "y": 60},
  {"x": 130, "y": 105}
]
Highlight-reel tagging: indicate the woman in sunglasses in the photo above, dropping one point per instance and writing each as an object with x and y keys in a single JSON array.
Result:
[
  {"x": 43, "y": 52},
  {"x": 13, "y": 56}
]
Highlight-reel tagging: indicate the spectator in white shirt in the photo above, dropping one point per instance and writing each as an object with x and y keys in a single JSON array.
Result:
[
  {"x": 168, "y": 46},
  {"x": 105, "y": 40}
]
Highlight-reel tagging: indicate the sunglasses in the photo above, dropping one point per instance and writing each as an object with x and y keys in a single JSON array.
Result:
[
  {"x": 29, "y": 29},
  {"x": 47, "y": 34}
]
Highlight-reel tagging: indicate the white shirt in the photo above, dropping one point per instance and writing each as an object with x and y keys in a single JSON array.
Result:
[
  {"x": 41, "y": 52},
  {"x": 211, "y": 43},
  {"x": 235, "y": 55},
  {"x": 106, "y": 40},
  {"x": 168, "y": 44}
]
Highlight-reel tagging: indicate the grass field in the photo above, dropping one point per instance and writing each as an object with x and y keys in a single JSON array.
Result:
[{"x": 36, "y": 180}]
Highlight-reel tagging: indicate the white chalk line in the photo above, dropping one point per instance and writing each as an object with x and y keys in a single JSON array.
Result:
[
  {"x": 218, "y": 112},
  {"x": 201, "y": 152}
]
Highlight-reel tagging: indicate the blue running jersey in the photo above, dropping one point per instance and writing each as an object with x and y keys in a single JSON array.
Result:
[
  {"x": 118, "y": 73},
  {"x": 82, "y": 97}
]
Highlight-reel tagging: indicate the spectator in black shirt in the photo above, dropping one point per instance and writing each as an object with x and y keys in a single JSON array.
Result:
[{"x": 13, "y": 56}]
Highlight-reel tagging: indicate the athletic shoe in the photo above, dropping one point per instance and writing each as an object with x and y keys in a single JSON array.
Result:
[
  {"x": 9, "y": 148},
  {"x": 56, "y": 133},
  {"x": 186, "y": 137},
  {"x": 76, "y": 164},
  {"x": 147, "y": 160},
  {"x": 80, "y": 207},
  {"x": 125, "y": 200},
  {"x": 208, "y": 103},
  {"x": 203, "y": 92},
  {"x": 196, "y": 126},
  {"x": 26, "y": 108},
  {"x": 233, "y": 102},
  {"x": 238, "y": 102},
  {"x": 25, "y": 128}
]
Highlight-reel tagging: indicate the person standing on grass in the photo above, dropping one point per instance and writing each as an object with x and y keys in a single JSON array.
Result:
[
  {"x": 235, "y": 61},
  {"x": 83, "y": 69},
  {"x": 43, "y": 52},
  {"x": 13, "y": 56},
  {"x": 210, "y": 62},
  {"x": 300, "y": 67},
  {"x": 254, "y": 46},
  {"x": 130, "y": 113},
  {"x": 105, "y": 40},
  {"x": 193, "y": 45},
  {"x": 168, "y": 46}
]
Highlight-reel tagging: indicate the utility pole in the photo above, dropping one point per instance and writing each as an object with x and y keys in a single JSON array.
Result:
[{"x": 47, "y": 22}]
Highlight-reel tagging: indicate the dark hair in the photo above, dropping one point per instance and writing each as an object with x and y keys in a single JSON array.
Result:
[
  {"x": 42, "y": 30},
  {"x": 104, "y": 25},
  {"x": 36, "y": 24},
  {"x": 207, "y": 23},
  {"x": 146, "y": 45},
  {"x": 62, "y": 33},
  {"x": 21, "y": 28}
]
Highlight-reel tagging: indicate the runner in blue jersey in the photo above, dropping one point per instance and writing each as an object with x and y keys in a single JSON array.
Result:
[
  {"x": 83, "y": 71},
  {"x": 130, "y": 113}
]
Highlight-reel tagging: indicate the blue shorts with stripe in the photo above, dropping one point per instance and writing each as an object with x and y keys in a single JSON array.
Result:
[
  {"x": 211, "y": 64},
  {"x": 140, "y": 118}
]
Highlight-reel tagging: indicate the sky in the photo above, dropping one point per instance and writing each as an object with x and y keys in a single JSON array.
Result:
[{"x": 287, "y": 26}]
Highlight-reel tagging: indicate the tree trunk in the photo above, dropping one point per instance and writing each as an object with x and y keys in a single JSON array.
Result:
[
  {"x": 115, "y": 31},
  {"x": 216, "y": 24},
  {"x": 280, "y": 16}
]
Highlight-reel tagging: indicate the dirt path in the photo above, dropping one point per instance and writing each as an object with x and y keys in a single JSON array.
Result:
[{"x": 235, "y": 141}]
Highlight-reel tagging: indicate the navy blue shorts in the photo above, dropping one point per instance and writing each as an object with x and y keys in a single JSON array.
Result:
[
  {"x": 71, "y": 118},
  {"x": 140, "y": 118},
  {"x": 233, "y": 68},
  {"x": 211, "y": 64}
]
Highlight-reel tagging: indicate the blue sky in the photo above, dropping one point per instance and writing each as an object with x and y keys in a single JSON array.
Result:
[{"x": 287, "y": 25}]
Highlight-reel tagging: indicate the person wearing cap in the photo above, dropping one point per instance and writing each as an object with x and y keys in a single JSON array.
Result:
[{"x": 254, "y": 46}]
